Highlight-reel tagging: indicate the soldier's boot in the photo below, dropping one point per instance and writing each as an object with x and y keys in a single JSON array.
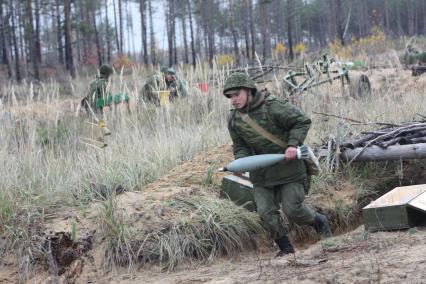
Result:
[
  {"x": 285, "y": 246},
  {"x": 321, "y": 225}
]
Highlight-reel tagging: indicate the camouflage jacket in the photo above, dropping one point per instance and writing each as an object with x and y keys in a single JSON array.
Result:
[
  {"x": 281, "y": 119},
  {"x": 98, "y": 90},
  {"x": 157, "y": 83}
]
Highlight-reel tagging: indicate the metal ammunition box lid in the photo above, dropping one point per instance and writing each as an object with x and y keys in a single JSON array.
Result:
[
  {"x": 419, "y": 202},
  {"x": 414, "y": 195},
  {"x": 241, "y": 180}
]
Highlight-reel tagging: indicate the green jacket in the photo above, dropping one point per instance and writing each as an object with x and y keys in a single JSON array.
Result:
[
  {"x": 282, "y": 120},
  {"x": 157, "y": 83},
  {"x": 98, "y": 92}
]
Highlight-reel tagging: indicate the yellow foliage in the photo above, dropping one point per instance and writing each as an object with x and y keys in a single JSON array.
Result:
[
  {"x": 280, "y": 49},
  {"x": 299, "y": 48},
  {"x": 122, "y": 62},
  {"x": 374, "y": 43},
  {"x": 224, "y": 59}
]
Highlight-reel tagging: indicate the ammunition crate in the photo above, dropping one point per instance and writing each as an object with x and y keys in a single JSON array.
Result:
[
  {"x": 400, "y": 208},
  {"x": 239, "y": 190}
]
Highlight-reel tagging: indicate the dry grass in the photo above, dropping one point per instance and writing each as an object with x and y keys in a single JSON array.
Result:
[
  {"x": 46, "y": 166},
  {"x": 199, "y": 227}
]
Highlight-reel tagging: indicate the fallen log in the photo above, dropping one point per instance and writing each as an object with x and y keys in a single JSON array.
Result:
[
  {"x": 417, "y": 140},
  {"x": 376, "y": 153},
  {"x": 407, "y": 139},
  {"x": 359, "y": 142}
]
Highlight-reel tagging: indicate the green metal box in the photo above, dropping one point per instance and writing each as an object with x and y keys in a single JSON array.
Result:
[
  {"x": 239, "y": 190},
  {"x": 400, "y": 208}
]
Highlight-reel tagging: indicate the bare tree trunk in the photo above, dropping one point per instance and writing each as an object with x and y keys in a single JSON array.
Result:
[
  {"x": 252, "y": 30},
  {"x": 30, "y": 39},
  {"x": 37, "y": 29},
  {"x": 194, "y": 60},
  {"x": 107, "y": 34},
  {"x": 185, "y": 40},
  {"x": 169, "y": 15},
  {"x": 289, "y": 28},
  {"x": 210, "y": 30},
  {"x": 86, "y": 36},
  {"x": 339, "y": 21},
  {"x": 152, "y": 35},
  {"x": 131, "y": 34},
  {"x": 234, "y": 32},
  {"x": 246, "y": 29},
  {"x": 205, "y": 29},
  {"x": 266, "y": 40},
  {"x": 15, "y": 46},
  {"x": 365, "y": 17},
  {"x": 22, "y": 46},
  {"x": 117, "y": 40},
  {"x": 398, "y": 20},
  {"x": 424, "y": 15},
  {"x": 59, "y": 34},
  {"x": 98, "y": 43},
  {"x": 5, "y": 43},
  {"x": 120, "y": 20},
  {"x": 174, "y": 31},
  {"x": 69, "y": 62},
  {"x": 386, "y": 16},
  {"x": 128, "y": 24},
  {"x": 142, "y": 10},
  {"x": 410, "y": 18}
]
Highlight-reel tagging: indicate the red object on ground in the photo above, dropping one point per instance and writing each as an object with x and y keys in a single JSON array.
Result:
[{"x": 204, "y": 87}]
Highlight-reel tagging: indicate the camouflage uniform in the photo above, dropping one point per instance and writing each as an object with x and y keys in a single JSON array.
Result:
[
  {"x": 282, "y": 183},
  {"x": 98, "y": 94},
  {"x": 414, "y": 55},
  {"x": 158, "y": 82}
]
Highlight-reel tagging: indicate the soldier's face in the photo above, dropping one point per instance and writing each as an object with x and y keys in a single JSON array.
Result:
[{"x": 239, "y": 100}]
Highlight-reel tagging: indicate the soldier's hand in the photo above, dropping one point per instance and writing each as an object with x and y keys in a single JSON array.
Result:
[
  {"x": 291, "y": 153},
  {"x": 239, "y": 174}
]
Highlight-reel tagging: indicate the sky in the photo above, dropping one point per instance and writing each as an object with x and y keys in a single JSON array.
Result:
[{"x": 158, "y": 19}]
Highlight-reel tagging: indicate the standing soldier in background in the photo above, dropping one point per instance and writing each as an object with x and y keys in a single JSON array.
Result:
[
  {"x": 166, "y": 80},
  {"x": 98, "y": 93},
  {"x": 263, "y": 124}
]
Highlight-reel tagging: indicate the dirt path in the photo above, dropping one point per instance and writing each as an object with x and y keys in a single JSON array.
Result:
[{"x": 357, "y": 257}]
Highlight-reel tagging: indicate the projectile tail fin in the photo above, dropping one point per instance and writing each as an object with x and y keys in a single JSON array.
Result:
[{"x": 305, "y": 153}]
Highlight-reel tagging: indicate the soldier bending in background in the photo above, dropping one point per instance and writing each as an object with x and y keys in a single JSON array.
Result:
[{"x": 166, "y": 80}]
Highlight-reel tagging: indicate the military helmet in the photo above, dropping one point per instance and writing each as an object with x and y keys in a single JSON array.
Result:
[
  {"x": 105, "y": 70},
  {"x": 237, "y": 81},
  {"x": 167, "y": 70},
  {"x": 171, "y": 71},
  {"x": 163, "y": 69}
]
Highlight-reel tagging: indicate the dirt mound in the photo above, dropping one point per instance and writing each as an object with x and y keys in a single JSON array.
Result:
[
  {"x": 132, "y": 228},
  {"x": 83, "y": 241}
]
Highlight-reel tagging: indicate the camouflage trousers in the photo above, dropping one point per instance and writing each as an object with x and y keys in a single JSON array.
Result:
[{"x": 291, "y": 197}]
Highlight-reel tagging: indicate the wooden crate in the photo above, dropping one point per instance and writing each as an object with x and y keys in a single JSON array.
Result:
[
  {"x": 240, "y": 190},
  {"x": 400, "y": 208}
]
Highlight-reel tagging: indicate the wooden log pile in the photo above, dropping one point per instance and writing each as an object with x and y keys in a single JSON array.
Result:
[{"x": 405, "y": 141}]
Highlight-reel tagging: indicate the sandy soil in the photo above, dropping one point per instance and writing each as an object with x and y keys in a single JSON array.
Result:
[{"x": 356, "y": 257}]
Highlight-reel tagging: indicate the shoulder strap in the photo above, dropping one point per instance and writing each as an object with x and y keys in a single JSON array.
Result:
[
  {"x": 231, "y": 119},
  {"x": 266, "y": 134}
]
